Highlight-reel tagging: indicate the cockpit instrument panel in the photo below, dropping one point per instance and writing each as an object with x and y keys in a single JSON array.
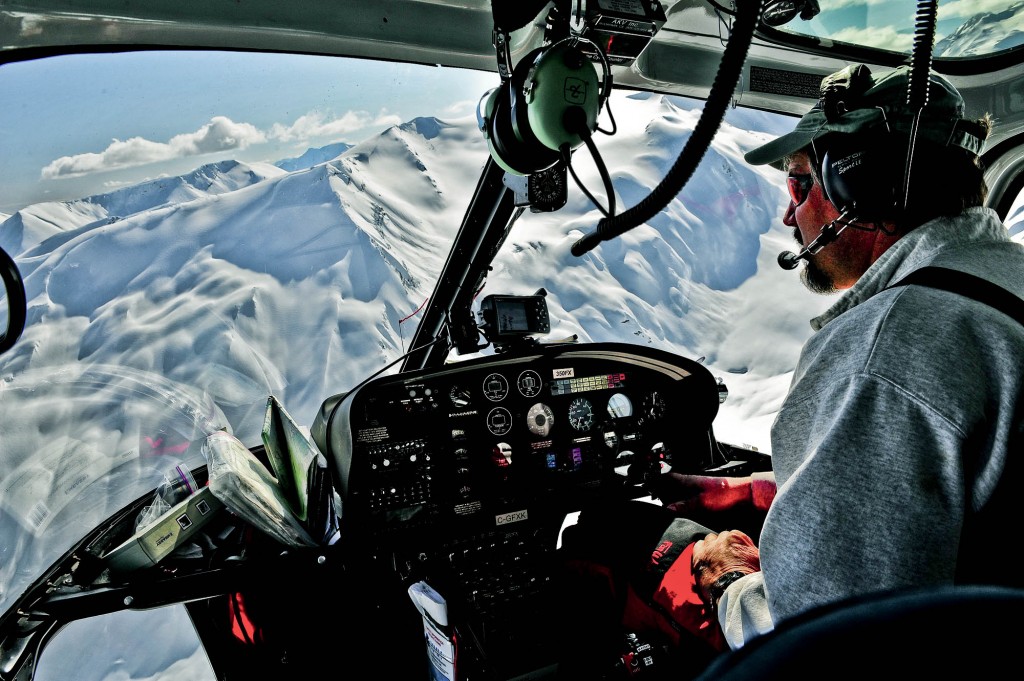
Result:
[{"x": 479, "y": 442}]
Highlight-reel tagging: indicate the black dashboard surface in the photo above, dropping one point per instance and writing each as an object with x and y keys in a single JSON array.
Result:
[{"x": 492, "y": 442}]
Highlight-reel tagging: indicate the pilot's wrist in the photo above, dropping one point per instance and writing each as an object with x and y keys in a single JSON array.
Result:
[
  {"x": 762, "y": 490},
  {"x": 720, "y": 585}
]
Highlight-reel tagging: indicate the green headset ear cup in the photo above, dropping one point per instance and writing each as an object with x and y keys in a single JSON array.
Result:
[
  {"x": 561, "y": 78},
  {"x": 527, "y": 121},
  {"x": 488, "y": 112}
]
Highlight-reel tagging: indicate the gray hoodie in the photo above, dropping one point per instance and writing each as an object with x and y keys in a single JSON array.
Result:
[{"x": 891, "y": 449}]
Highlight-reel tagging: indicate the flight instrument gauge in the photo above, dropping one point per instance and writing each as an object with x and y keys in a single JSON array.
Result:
[
  {"x": 495, "y": 387},
  {"x": 459, "y": 396},
  {"x": 539, "y": 419},
  {"x": 620, "y": 406},
  {"x": 529, "y": 383},
  {"x": 499, "y": 421},
  {"x": 547, "y": 190},
  {"x": 581, "y": 414}
]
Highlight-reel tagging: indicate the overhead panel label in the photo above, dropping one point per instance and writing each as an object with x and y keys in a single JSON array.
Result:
[
  {"x": 781, "y": 82},
  {"x": 622, "y": 6}
]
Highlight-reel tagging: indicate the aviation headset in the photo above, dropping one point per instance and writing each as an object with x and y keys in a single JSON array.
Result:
[
  {"x": 552, "y": 99},
  {"x": 858, "y": 161}
]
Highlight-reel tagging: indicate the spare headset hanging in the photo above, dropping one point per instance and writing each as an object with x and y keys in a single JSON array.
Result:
[{"x": 546, "y": 107}]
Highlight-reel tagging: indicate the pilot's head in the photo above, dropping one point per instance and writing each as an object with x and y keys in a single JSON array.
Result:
[{"x": 849, "y": 155}]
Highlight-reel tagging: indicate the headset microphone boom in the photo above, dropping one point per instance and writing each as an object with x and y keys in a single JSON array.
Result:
[{"x": 789, "y": 260}]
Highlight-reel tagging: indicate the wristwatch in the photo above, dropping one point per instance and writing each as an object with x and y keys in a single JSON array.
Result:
[{"x": 719, "y": 587}]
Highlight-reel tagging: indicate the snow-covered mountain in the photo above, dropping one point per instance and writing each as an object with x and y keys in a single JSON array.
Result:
[
  {"x": 35, "y": 223},
  {"x": 984, "y": 34},
  {"x": 204, "y": 294},
  {"x": 244, "y": 279},
  {"x": 312, "y": 157}
]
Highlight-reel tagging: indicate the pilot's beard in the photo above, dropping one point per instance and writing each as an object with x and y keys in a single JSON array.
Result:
[
  {"x": 813, "y": 277},
  {"x": 816, "y": 279}
]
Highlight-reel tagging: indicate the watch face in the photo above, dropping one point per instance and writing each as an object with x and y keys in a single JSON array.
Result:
[{"x": 547, "y": 189}]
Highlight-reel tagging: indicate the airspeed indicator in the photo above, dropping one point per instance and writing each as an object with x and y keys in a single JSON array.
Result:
[{"x": 581, "y": 414}]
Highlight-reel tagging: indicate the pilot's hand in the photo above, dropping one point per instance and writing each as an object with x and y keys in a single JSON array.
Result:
[
  {"x": 697, "y": 495},
  {"x": 686, "y": 494},
  {"x": 719, "y": 554}
]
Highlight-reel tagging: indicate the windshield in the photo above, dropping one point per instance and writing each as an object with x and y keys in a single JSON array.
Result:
[{"x": 198, "y": 231}]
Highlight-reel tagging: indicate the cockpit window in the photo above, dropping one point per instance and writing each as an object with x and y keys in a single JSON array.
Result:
[
  {"x": 963, "y": 30},
  {"x": 198, "y": 231}
]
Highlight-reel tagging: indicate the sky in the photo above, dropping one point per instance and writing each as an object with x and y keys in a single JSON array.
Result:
[
  {"x": 171, "y": 307},
  {"x": 63, "y": 124}
]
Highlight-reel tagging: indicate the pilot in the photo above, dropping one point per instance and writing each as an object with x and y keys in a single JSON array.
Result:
[{"x": 891, "y": 453}]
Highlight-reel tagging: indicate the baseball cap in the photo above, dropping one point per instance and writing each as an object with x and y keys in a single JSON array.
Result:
[{"x": 853, "y": 100}]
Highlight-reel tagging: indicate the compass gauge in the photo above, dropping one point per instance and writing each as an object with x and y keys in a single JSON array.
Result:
[{"x": 547, "y": 189}]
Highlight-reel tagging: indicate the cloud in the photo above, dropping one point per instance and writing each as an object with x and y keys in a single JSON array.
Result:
[
  {"x": 463, "y": 108},
  {"x": 220, "y": 134},
  {"x": 317, "y": 124},
  {"x": 885, "y": 37}
]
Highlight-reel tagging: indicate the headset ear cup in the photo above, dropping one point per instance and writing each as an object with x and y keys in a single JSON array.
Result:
[
  {"x": 514, "y": 147},
  {"x": 500, "y": 135},
  {"x": 564, "y": 96},
  {"x": 535, "y": 155},
  {"x": 551, "y": 100},
  {"x": 858, "y": 177}
]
